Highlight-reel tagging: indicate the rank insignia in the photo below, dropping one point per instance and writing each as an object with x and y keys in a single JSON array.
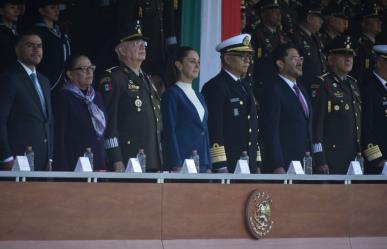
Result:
[
  {"x": 338, "y": 94},
  {"x": 132, "y": 86}
]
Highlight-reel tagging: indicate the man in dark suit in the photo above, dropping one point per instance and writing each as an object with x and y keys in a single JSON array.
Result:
[
  {"x": 232, "y": 108},
  {"x": 374, "y": 131},
  {"x": 25, "y": 106},
  {"x": 286, "y": 113}
]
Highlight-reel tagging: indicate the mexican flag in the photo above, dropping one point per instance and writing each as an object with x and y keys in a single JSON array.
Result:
[{"x": 204, "y": 24}]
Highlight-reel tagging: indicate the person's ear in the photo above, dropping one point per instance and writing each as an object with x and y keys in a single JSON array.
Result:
[
  {"x": 68, "y": 74},
  {"x": 178, "y": 65},
  {"x": 280, "y": 63}
]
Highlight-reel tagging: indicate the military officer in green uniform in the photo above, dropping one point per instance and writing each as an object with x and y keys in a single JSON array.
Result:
[
  {"x": 337, "y": 108},
  {"x": 265, "y": 38},
  {"x": 133, "y": 105},
  {"x": 308, "y": 43},
  {"x": 232, "y": 108},
  {"x": 371, "y": 26},
  {"x": 335, "y": 23}
]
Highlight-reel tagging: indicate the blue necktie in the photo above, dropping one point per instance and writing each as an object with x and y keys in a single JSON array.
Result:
[{"x": 39, "y": 90}]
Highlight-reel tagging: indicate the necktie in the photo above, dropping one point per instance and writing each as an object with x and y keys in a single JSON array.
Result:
[
  {"x": 300, "y": 98},
  {"x": 39, "y": 91}
]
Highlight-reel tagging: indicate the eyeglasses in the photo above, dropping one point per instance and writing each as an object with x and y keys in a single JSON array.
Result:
[
  {"x": 84, "y": 69},
  {"x": 138, "y": 43},
  {"x": 242, "y": 56}
]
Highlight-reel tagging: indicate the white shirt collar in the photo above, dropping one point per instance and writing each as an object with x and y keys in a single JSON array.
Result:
[
  {"x": 305, "y": 30},
  {"x": 232, "y": 75},
  {"x": 289, "y": 82},
  {"x": 27, "y": 69},
  {"x": 382, "y": 81}
]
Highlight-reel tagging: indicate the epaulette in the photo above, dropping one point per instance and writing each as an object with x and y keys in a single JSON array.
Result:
[
  {"x": 110, "y": 70},
  {"x": 351, "y": 78},
  {"x": 323, "y": 76}
]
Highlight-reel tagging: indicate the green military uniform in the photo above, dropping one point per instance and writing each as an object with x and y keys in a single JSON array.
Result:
[
  {"x": 365, "y": 56},
  {"x": 337, "y": 122},
  {"x": 337, "y": 109},
  {"x": 310, "y": 47},
  {"x": 264, "y": 41},
  {"x": 134, "y": 117}
]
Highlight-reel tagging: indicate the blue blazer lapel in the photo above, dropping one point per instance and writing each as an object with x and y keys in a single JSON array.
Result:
[{"x": 189, "y": 103}]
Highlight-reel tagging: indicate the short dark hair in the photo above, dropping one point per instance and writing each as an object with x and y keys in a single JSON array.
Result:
[
  {"x": 280, "y": 52},
  {"x": 24, "y": 34}
]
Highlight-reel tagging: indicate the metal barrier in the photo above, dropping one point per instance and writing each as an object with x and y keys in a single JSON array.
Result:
[{"x": 94, "y": 177}]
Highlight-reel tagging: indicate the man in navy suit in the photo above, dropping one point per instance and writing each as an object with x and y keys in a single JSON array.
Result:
[
  {"x": 286, "y": 113},
  {"x": 25, "y": 106}
]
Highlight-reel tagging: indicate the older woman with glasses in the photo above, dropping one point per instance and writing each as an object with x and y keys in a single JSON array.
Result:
[{"x": 79, "y": 118}]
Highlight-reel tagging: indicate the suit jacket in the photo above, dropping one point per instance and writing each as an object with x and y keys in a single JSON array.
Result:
[
  {"x": 374, "y": 123},
  {"x": 232, "y": 121},
  {"x": 183, "y": 131},
  {"x": 74, "y": 132},
  {"x": 22, "y": 121},
  {"x": 287, "y": 131}
]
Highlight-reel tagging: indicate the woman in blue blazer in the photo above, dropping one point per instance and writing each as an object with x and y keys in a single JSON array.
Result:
[{"x": 185, "y": 115}]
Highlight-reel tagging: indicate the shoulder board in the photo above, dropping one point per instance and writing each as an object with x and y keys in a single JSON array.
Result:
[
  {"x": 351, "y": 78},
  {"x": 110, "y": 70},
  {"x": 323, "y": 76}
]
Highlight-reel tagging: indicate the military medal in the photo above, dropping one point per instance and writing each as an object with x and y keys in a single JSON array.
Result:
[
  {"x": 346, "y": 107},
  {"x": 334, "y": 84},
  {"x": 336, "y": 107},
  {"x": 138, "y": 104}
]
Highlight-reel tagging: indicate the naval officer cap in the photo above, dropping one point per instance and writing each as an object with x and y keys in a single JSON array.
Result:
[
  {"x": 380, "y": 50},
  {"x": 133, "y": 32},
  {"x": 236, "y": 44},
  {"x": 341, "y": 45}
]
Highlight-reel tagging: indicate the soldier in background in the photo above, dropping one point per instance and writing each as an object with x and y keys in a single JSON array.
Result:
[
  {"x": 335, "y": 23},
  {"x": 374, "y": 97},
  {"x": 232, "y": 108},
  {"x": 309, "y": 45},
  {"x": 266, "y": 37},
  {"x": 133, "y": 105},
  {"x": 371, "y": 26},
  {"x": 337, "y": 109},
  {"x": 9, "y": 14},
  {"x": 158, "y": 23},
  {"x": 56, "y": 44}
]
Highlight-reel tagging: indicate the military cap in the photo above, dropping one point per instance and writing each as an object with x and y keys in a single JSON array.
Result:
[
  {"x": 342, "y": 44},
  {"x": 371, "y": 11},
  {"x": 133, "y": 32},
  {"x": 380, "y": 50},
  {"x": 42, "y": 3},
  {"x": 2, "y": 2},
  {"x": 334, "y": 9},
  {"x": 238, "y": 43},
  {"x": 267, "y": 4},
  {"x": 310, "y": 9}
]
